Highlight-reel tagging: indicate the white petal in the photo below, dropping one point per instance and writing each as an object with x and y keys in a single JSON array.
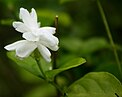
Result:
[
  {"x": 39, "y": 24},
  {"x": 49, "y": 38},
  {"x": 27, "y": 18},
  {"x": 21, "y": 27},
  {"x": 44, "y": 52},
  {"x": 25, "y": 49},
  {"x": 33, "y": 14},
  {"x": 50, "y": 30},
  {"x": 30, "y": 36},
  {"x": 14, "y": 45},
  {"x": 53, "y": 48}
]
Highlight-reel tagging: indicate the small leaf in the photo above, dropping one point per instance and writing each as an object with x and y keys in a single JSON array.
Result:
[
  {"x": 27, "y": 63},
  {"x": 73, "y": 63},
  {"x": 96, "y": 84}
]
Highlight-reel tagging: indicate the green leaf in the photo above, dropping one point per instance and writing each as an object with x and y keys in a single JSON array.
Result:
[
  {"x": 73, "y": 63},
  {"x": 108, "y": 67},
  {"x": 96, "y": 84},
  {"x": 27, "y": 63},
  {"x": 27, "y": 77},
  {"x": 44, "y": 90},
  {"x": 45, "y": 65},
  {"x": 84, "y": 47}
]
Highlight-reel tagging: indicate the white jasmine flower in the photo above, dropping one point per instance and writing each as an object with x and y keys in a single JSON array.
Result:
[
  {"x": 35, "y": 37},
  {"x": 30, "y": 27}
]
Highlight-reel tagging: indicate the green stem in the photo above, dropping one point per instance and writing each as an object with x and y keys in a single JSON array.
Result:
[
  {"x": 36, "y": 56},
  {"x": 109, "y": 36},
  {"x": 62, "y": 94},
  {"x": 55, "y": 52},
  {"x": 39, "y": 65}
]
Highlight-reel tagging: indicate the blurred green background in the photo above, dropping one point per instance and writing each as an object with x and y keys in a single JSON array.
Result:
[{"x": 81, "y": 33}]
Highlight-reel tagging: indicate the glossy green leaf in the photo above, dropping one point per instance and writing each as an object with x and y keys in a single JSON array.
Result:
[
  {"x": 73, "y": 63},
  {"x": 96, "y": 84},
  {"x": 27, "y": 63}
]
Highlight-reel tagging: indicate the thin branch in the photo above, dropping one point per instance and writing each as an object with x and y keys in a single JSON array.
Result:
[
  {"x": 55, "y": 52},
  {"x": 110, "y": 36}
]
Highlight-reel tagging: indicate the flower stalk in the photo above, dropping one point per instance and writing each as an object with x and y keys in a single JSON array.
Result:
[
  {"x": 54, "y": 58},
  {"x": 55, "y": 52},
  {"x": 110, "y": 36},
  {"x": 61, "y": 92},
  {"x": 37, "y": 59},
  {"x": 52, "y": 82}
]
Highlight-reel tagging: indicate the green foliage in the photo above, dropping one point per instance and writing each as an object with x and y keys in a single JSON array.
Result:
[
  {"x": 71, "y": 64},
  {"x": 81, "y": 33},
  {"x": 84, "y": 47},
  {"x": 27, "y": 77},
  {"x": 76, "y": 44},
  {"x": 30, "y": 65},
  {"x": 27, "y": 63},
  {"x": 44, "y": 90},
  {"x": 108, "y": 67},
  {"x": 96, "y": 84},
  {"x": 93, "y": 45}
]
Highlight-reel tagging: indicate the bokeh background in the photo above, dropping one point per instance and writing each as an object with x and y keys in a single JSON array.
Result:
[{"x": 81, "y": 33}]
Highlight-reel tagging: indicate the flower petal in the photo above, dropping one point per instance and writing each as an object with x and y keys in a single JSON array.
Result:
[
  {"x": 25, "y": 16},
  {"x": 30, "y": 36},
  {"x": 44, "y": 52},
  {"x": 50, "y": 39},
  {"x": 21, "y": 27},
  {"x": 39, "y": 24},
  {"x": 25, "y": 49},
  {"x": 53, "y": 48},
  {"x": 27, "y": 19},
  {"x": 33, "y": 14},
  {"x": 14, "y": 45},
  {"x": 50, "y": 30},
  {"x": 47, "y": 37}
]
